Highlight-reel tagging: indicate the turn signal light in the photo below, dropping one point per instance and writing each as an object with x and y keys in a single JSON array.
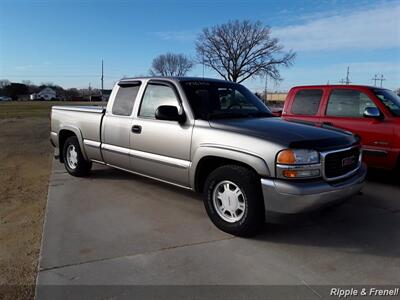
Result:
[
  {"x": 289, "y": 173},
  {"x": 301, "y": 173},
  {"x": 286, "y": 157}
]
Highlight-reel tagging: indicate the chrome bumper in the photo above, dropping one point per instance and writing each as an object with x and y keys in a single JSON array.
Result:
[{"x": 288, "y": 197}]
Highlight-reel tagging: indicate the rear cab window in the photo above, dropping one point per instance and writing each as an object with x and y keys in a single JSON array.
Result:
[
  {"x": 125, "y": 99},
  {"x": 307, "y": 102}
]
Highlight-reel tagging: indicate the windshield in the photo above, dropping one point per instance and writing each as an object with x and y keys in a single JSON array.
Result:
[
  {"x": 390, "y": 100},
  {"x": 218, "y": 100}
]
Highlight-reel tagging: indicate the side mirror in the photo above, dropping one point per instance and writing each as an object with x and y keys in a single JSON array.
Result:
[
  {"x": 277, "y": 113},
  {"x": 169, "y": 113},
  {"x": 372, "y": 112}
]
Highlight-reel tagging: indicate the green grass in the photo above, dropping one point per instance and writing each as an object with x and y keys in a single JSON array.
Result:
[{"x": 40, "y": 109}]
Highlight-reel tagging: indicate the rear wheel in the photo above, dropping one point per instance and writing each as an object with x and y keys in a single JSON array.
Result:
[
  {"x": 74, "y": 161},
  {"x": 233, "y": 200}
]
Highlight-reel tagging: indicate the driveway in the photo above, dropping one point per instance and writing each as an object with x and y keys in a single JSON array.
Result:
[{"x": 115, "y": 234}]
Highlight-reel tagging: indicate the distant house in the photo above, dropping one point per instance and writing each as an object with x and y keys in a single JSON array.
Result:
[{"x": 45, "y": 94}]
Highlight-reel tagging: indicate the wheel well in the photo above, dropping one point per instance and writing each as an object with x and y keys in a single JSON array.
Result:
[
  {"x": 62, "y": 137},
  {"x": 208, "y": 164}
]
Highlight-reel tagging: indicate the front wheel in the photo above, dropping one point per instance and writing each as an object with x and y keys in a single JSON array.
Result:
[
  {"x": 233, "y": 200},
  {"x": 74, "y": 161}
]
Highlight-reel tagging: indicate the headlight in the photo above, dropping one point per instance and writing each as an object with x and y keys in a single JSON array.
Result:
[
  {"x": 298, "y": 164},
  {"x": 297, "y": 157}
]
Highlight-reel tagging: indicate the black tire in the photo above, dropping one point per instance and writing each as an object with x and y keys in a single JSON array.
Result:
[
  {"x": 82, "y": 167},
  {"x": 249, "y": 184}
]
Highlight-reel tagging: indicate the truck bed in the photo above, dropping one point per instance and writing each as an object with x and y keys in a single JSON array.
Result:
[{"x": 84, "y": 121}]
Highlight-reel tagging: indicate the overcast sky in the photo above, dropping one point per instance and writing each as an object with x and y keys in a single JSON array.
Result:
[{"x": 64, "y": 41}]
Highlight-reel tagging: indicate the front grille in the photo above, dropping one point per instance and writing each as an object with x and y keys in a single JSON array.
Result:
[{"x": 342, "y": 162}]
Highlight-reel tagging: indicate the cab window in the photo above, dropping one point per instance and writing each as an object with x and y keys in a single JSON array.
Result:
[
  {"x": 155, "y": 96},
  {"x": 348, "y": 103},
  {"x": 306, "y": 102},
  {"x": 124, "y": 100}
]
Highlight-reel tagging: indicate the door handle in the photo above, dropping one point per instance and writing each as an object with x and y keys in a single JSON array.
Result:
[
  {"x": 136, "y": 129},
  {"x": 327, "y": 123}
]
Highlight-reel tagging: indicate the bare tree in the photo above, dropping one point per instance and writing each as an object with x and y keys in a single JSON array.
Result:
[
  {"x": 4, "y": 83},
  {"x": 171, "y": 64},
  {"x": 239, "y": 50}
]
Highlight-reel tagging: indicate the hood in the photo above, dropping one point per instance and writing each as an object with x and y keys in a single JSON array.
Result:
[{"x": 288, "y": 134}]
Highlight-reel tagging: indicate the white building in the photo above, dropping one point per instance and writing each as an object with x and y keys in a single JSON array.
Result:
[{"x": 45, "y": 94}]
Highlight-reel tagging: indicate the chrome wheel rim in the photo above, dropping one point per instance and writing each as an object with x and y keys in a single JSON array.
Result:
[
  {"x": 229, "y": 201},
  {"x": 72, "y": 157}
]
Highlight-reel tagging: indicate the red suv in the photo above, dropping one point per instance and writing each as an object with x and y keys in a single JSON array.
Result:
[{"x": 371, "y": 113}]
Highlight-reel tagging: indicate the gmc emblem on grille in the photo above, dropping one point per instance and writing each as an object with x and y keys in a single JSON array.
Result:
[{"x": 348, "y": 161}]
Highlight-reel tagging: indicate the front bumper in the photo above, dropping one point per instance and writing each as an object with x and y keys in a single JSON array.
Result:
[{"x": 289, "y": 197}]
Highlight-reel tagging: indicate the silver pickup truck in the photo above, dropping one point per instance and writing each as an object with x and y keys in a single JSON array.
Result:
[{"x": 214, "y": 137}]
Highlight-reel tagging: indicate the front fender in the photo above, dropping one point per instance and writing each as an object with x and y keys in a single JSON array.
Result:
[{"x": 236, "y": 154}]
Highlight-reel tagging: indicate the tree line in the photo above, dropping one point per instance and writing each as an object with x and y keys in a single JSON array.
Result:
[{"x": 18, "y": 91}]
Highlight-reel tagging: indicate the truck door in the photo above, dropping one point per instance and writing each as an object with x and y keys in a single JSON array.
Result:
[
  {"x": 345, "y": 109},
  {"x": 160, "y": 148},
  {"x": 305, "y": 105},
  {"x": 117, "y": 124}
]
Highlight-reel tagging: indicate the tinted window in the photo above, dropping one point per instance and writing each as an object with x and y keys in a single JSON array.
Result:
[
  {"x": 306, "y": 102},
  {"x": 348, "y": 103},
  {"x": 390, "y": 100},
  {"x": 124, "y": 100},
  {"x": 213, "y": 100},
  {"x": 155, "y": 96}
]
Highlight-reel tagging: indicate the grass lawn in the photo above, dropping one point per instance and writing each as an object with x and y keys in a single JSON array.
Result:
[{"x": 25, "y": 167}]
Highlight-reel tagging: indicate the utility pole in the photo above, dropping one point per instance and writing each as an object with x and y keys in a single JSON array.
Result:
[
  {"x": 102, "y": 79},
  {"x": 90, "y": 92},
  {"x": 347, "y": 80},
  {"x": 203, "y": 62},
  {"x": 381, "y": 79},
  {"x": 347, "y": 75},
  {"x": 265, "y": 88},
  {"x": 375, "y": 78}
]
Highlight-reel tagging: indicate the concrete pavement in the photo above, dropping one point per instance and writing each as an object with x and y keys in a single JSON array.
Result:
[{"x": 117, "y": 229}]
